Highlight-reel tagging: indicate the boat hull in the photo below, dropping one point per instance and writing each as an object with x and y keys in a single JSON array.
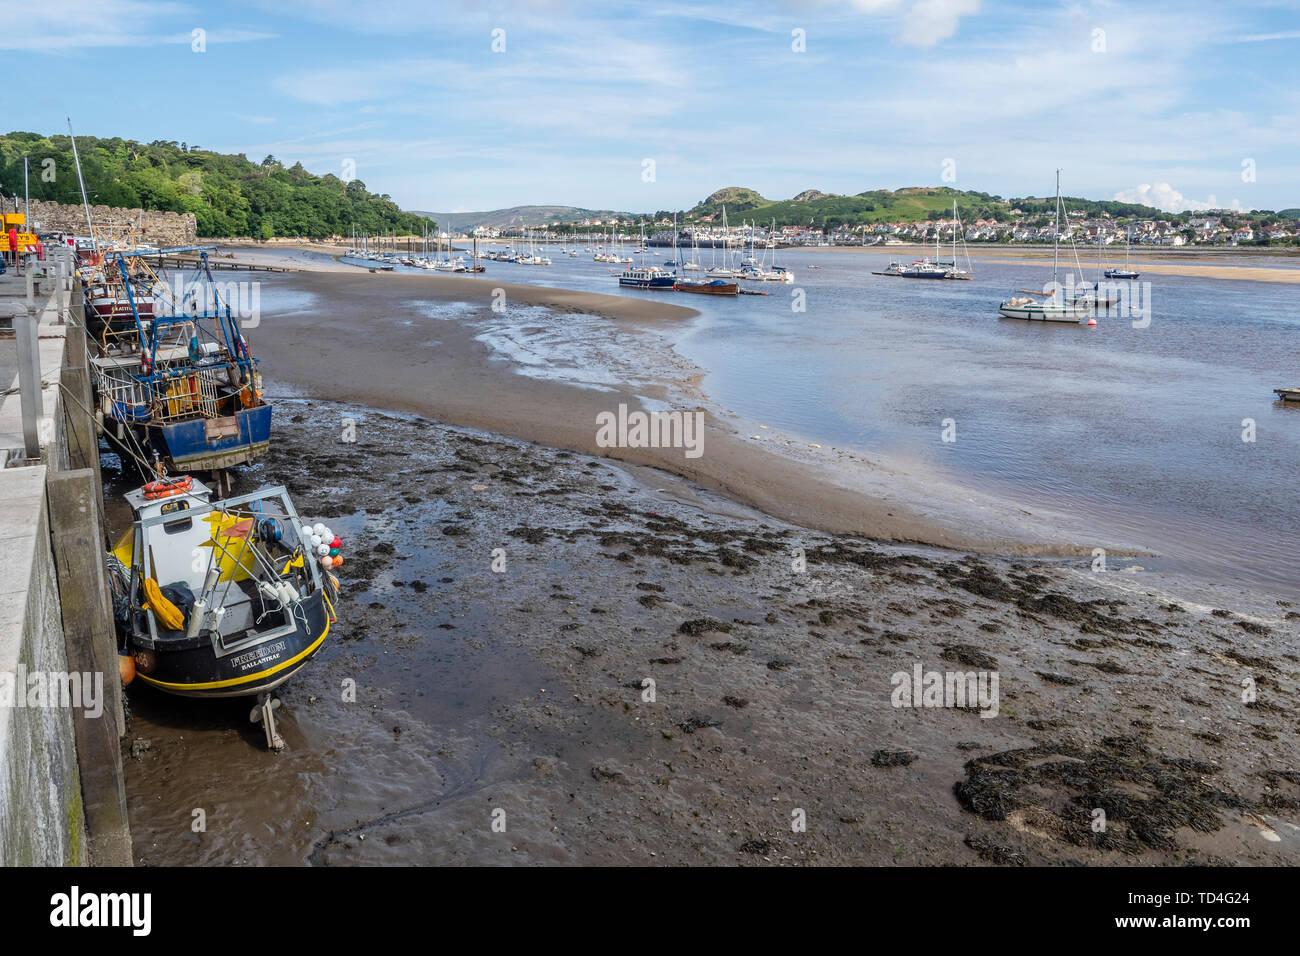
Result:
[
  {"x": 198, "y": 667},
  {"x": 657, "y": 282},
  {"x": 210, "y": 444},
  {"x": 1037, "y": 313},
  {"x": 708, "y": 288}
]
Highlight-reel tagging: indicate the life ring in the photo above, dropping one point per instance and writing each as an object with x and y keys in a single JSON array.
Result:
[{"x": 168, "y": 487}]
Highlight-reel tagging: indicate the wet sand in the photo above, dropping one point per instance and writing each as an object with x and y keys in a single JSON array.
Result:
[{"x": 518, "y": 693}]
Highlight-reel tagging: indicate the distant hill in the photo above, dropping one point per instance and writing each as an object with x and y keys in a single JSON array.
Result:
[
  {"x": 813, "y": 207},
  {"x": 228, "y": 194},
  {"x": 517, "y": 216}
]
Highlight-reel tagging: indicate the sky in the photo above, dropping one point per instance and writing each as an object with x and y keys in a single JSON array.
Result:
[{"x": 452, "y": 107}]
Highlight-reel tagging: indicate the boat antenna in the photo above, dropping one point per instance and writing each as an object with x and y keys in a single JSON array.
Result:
[{"x": 94, "y": 245}]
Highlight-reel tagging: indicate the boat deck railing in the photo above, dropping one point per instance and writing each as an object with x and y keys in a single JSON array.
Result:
[{"x": 193, "y": 393}]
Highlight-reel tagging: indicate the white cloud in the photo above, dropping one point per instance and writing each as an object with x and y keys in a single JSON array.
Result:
[
  {"x": 1165, "y": 197},
  {"x": 54, "y": 29},
  {"x": 930, "y": 21}
]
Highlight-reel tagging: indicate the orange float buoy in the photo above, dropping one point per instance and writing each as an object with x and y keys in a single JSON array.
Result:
[
  {"x": 1092, "y": 321},
  {"x": 126, "y": 668}
]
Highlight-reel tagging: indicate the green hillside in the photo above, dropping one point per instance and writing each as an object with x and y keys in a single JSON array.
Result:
[
  {"x": 518, "y": 216},
  {"x": 826, "y": 210},
  {"x": 228, "y": 194}
]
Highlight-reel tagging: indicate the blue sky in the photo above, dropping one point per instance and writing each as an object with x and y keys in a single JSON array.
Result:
[{"x": 1154, "y": 101}]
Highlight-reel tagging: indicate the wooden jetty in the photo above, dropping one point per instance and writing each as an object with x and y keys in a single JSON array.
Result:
[{"x": 192, "y": 262}]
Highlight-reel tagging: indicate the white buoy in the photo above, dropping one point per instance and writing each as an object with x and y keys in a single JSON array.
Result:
[{"x": 318, "y": 528}]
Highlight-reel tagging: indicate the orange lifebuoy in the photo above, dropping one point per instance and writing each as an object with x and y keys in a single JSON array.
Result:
[{"x": 168, "y": 487}]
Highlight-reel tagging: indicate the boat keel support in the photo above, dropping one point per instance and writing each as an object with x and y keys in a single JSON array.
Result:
[{"x": 264, "y": 714}]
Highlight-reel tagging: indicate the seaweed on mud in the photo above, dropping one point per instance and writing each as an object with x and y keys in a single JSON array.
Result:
[
  {"x": 968, "y": 655},
  {"x": 892, "y": 758},
  {"x": 698, "y": 722},
  {"x": 1064, "y": 680},
  {"x": 991, "y": 852},
  {"x": 1040, "y": 724},
  {"x": 734, "y": 559},
  {"x": 947, "y": 606},
  {"x": 757, "y": 847},
  {"x": 1261, "y": 663},
  {"x": 980, "y": 580},
  {"x": 531, "y": 535},
  {"x": 1106, "y": 667},
  {"x": 1068, "y": 609},
  {"x": 733, "y": 646},
  {"x": 839, "y": 554},
  {"x": 736, "y": 702},
  {"x": 702, "y": 625},
  {"x": 1054, "y": 790},
  {"x": 1091, "y": 644},
  {"x": 1250, "y": 627}
]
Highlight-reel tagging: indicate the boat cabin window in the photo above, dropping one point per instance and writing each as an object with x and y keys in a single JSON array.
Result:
[{"x": 182, "y": 524}]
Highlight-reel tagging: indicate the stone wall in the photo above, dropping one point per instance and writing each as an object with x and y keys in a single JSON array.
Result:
[
  {"x": 156, "y": 228},
  {"x": 42, "y": 820}
]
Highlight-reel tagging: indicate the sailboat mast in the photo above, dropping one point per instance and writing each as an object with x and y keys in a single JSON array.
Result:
[
  {"x": 1056, "y": 232},
  {"x": 84, "y": 202}
]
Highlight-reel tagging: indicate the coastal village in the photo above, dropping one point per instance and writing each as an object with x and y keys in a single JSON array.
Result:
[{"x": 1221, "y": 230}]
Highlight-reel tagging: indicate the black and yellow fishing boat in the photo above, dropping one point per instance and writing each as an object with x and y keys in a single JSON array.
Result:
[{"x": 220, "y": 599}]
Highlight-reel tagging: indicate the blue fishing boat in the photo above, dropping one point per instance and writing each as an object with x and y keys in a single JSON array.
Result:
[
  {"x": 651, "y": 277},
  {"x": 178, "y": 386}
]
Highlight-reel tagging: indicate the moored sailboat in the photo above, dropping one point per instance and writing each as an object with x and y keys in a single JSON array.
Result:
[{"x": 1051, "y": 306}]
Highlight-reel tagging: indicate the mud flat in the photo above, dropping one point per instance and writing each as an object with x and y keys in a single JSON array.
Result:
[
  {"x": 511, "y": 589},
  {"x": 519, "y": 694}
]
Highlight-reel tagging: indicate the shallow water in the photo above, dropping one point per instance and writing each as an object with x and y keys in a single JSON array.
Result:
[{"x": 1138, "y": 432}]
